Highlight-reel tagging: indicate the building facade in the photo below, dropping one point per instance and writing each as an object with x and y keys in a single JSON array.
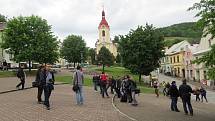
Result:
[
  {"x": 104, "y": 37},
  {"x": 200, "y": 69}
]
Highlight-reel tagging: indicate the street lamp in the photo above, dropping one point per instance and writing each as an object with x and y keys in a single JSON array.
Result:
[{"x": 81, "y": 58}]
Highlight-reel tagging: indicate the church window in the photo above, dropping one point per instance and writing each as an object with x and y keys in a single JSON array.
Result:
[{"x": 103, "y": 33}]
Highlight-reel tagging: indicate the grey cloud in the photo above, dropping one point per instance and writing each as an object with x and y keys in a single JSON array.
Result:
[{"x": 83, "y": 16}]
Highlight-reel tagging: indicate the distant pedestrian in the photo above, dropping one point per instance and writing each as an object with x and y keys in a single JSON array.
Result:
[
  {"x": 95, "y": 81},
  {"x": 185, "y": 94},
  {"x": 48, "y": 85},
  {"x": 166, "y": 89},
  {"x": 174, "y": 94},
  {"x": 103, "y": 83},
  {"x": 39, "y": 80},
  {"x": 156, "y": 87},
  {"x": 111, "y": 83},
  {"x": 21, "y": 75},
  {"x": 4, "y": 67},
  {"x": 197, "y": 93},
  {"x": 203, "y": 94},
  {"x": 79, "y": 80},
  {"x": 118, "y": 87}
]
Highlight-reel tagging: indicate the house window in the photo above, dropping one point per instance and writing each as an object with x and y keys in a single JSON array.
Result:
[
  {"x": 178, "y": 59},
  {"x": 103, "y": 33},
  {"x": 174, "y": 59},
  {"x": 170, "y": 59}
]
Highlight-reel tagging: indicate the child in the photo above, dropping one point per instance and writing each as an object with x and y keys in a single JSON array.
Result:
[{"x": 203, "y": 94}]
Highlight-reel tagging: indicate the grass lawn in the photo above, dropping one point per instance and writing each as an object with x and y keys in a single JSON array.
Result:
[
  {"x": 113, "y": 71},
  {"x": 7, "y": 74}
]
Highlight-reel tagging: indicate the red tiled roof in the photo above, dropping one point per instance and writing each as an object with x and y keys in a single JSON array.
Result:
[{"x": 103, "y": 21}]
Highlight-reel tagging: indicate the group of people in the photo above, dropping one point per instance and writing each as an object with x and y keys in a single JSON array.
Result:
[
  {"x": 125, "y": 88},
  {"x": 45, "y": 83},
  {"x": 184, "y": 92}
]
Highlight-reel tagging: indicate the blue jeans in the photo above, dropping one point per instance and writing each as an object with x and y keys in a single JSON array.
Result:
[
  {"x": 174, "y": 104},
  {"x": 47, "y": 92},
  {"x": 186, "y": 102},
  {"x": 79, "y": 95}
]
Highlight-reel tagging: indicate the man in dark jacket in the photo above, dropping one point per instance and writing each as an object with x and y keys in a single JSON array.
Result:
[
  {"x": 174, "y": 94},
  {"x": 185, "y": 94},
  {"x": 21, "y": 75},
  {"x": 39, "y": 79}
]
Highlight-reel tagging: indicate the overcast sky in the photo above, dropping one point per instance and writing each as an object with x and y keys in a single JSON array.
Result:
[{"x": 82, "y": 17}]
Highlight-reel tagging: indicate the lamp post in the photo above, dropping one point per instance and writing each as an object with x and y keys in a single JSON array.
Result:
[{"x": 81, "y": 58}]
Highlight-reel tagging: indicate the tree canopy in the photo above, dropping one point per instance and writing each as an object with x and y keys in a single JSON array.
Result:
[
  {"x": 105, "y": 57},
  {"x": 92, "y": 55},
  {"x": 3, "y": 18},
  {"x": 74, "y": 49},
  {"x": 141, "y": 49},
  {"x": 207, "y": 20},
  {"x": 30, "y": 39}
]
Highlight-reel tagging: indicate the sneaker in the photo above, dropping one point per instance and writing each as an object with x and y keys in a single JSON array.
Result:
[{"x": 191, "y": 114}]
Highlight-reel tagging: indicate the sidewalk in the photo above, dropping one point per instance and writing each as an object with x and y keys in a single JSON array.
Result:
[
  {"x": 22, "y": 106},
  {"x": 210, "y": 94},
  {"x": 151, "y": 108}
]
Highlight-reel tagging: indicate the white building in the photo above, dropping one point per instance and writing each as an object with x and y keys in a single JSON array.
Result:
[{"x": 200, "y": 70}]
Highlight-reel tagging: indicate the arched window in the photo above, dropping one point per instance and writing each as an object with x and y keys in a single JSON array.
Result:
[{"x": 103, "y": 33}]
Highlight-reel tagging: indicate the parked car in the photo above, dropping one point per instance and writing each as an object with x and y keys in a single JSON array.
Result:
[{"x": 56, "y": 68}]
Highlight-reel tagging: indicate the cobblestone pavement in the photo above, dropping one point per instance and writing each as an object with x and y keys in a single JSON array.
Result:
[
  {"x": 10, "y": 83},
  {"x": 151, "y": 108},
  {"x": 22, "y": 106},
  {"x": 210, "y": 94}
]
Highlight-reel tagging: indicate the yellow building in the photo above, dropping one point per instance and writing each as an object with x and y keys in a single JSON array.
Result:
[
  {"x": 176, "y": 58},
  {"x": 104, "y": 37}
]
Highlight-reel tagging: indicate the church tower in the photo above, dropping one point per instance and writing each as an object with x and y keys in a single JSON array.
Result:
[{"x": 104, "y": 37}]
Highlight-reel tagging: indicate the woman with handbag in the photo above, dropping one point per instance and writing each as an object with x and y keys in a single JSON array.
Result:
[{"x": 78, "y": 81}]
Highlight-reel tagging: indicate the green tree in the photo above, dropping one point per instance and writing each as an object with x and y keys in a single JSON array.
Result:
[
  {"x": 74, "y": 49},
  {"x": 30, "y": 39},
  {"x": 141, "y": 50},
  {"x": 105, "y": 57},
  {"x": 118, "y": 58},
  {"x": 116, "y": 39},
  {"x": 92, "y": 54},
  {"x": 3, "y": 18},
  {"x": 207, "y": 14},
  {"x": 207, "y": 20}
]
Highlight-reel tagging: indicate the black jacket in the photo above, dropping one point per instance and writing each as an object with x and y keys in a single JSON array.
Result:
[
  {"x": 185, "y": 91},
  {"x": 173, "y": 91},
  {"x": 20, "y": 73}
]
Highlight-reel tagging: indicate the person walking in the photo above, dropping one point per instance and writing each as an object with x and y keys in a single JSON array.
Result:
[
  {"x": 103, "y": 84},
  {"x": 197, "y": 93},
  {"x": 48, "y": 85},
  {"x": 95, "y": 82},
  {"x": 174, "y": 94},
  {"x": 203, "y": 94},
  {"x": 156, "y": 86},
  {"x": 39, "y": 81},
  {"x": 117, "y": 87},
  {"x": 21, "y": 75},
  {"x": 128, "y": 87},
  {"x": 78, "y": 79},
  {"x": 185, "y": 94}
]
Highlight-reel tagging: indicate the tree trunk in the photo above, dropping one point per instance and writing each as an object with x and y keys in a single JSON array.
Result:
[
  {"x": 139, "y": 77},
  {"x": 29, "y": 65},
  {"x": 103, "y": 68}
]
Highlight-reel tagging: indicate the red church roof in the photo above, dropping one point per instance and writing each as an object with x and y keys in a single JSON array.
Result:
[{"x": 103, "y": 21}]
